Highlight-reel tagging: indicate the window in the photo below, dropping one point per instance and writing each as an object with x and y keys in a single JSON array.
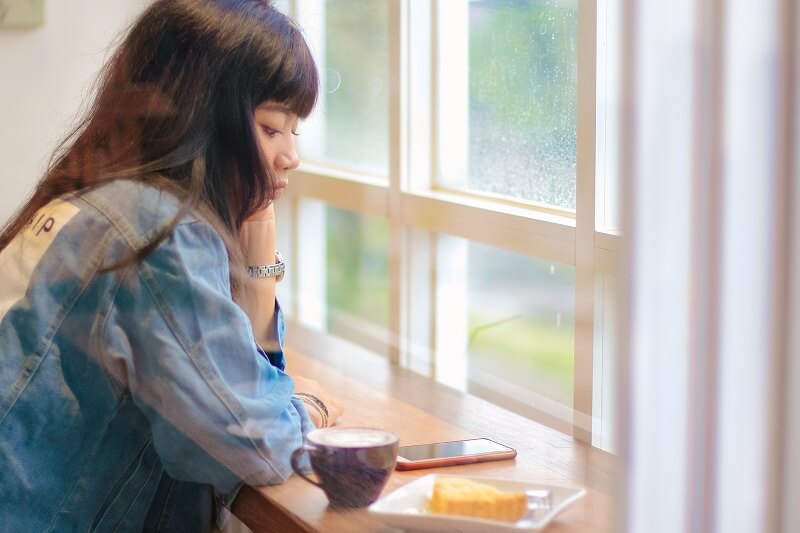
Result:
[
  {"x": 350, "y": 127},
  {"x": 450, "y": 220},
  {"x": 521, "y": 331},
  {"x": 507, "y": 99},
  {"x": 357, "y": 277}
]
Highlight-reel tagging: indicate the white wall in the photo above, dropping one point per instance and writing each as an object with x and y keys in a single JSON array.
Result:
[{"x": 45, "y": 75}]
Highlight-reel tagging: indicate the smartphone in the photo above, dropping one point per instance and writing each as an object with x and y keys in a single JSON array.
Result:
[{"x": 457, "y": 452}]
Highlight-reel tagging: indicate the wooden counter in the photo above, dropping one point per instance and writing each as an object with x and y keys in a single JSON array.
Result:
[{"x": 377, "y": 394}]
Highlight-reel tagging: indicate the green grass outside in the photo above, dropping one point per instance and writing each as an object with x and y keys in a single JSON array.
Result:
[{"x": 534, "y": 354}]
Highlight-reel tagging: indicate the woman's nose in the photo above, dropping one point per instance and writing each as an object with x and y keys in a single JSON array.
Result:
[{"x": 287, "y": 158}]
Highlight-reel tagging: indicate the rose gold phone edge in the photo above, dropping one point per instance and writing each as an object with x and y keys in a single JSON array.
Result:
[{"x": 404, "y": 464}]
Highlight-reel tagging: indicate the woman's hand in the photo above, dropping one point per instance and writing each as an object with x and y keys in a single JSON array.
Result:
[{"x": 312, "y": 387}]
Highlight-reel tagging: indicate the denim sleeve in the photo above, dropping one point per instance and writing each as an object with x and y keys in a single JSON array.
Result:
[{"x": 220, "y": 411}]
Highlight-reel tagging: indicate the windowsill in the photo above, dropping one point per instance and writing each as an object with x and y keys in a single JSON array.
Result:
[{"x": 523, "y": 227}]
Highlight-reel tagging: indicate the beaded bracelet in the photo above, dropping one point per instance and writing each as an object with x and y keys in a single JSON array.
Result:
[{"x": 317, "y": 404}]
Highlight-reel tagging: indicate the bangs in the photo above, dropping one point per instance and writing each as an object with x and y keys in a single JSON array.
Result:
[{"x": 296, "y": 82}]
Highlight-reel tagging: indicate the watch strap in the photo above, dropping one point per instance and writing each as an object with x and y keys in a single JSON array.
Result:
[{"x": 268, "y": 271}]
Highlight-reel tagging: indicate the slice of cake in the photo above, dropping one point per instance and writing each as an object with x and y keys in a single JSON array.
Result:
[{"x": 464, "y": 497}]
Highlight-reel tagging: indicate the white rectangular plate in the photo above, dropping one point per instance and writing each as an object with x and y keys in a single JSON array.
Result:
[{"x": 406, "y": 507}]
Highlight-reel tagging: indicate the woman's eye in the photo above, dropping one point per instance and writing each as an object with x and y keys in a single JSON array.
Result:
[{"x": 271, "y": 132}]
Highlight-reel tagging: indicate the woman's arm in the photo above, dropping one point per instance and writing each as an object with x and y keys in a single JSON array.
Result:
[
  {"x": 258, "y": 239},
  {"x": 219, "y": 411}
]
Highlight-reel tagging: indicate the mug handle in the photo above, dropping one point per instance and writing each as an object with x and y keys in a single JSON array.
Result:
[{"x": 296, "y": 467}]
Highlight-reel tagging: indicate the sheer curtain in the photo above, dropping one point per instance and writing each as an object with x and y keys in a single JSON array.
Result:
[{"x": 709, "y": 371}]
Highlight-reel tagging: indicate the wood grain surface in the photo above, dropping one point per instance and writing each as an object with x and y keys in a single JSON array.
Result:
[{"x": 378, "y": 394}]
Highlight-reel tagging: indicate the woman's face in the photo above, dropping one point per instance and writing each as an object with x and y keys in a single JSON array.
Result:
[{"x": 276, "y": 128}]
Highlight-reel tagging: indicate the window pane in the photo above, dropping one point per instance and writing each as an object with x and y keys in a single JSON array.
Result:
[
  {"x": 515, "y": 333},
  {"x": 521, "y": 325},
  {"x": 521, "y": 103},
  {"x": 357, "y": 284},
  {"x": 350, "y": 42}
]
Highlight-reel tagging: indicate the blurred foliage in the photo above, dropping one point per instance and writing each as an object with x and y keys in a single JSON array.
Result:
[
  {"x": 356, "y": 105},
  {"x": 523, "y": 107},
  {"x": 531, "y": 353},
  {"x": 356, "y": 90},
  {"x": 523, "y": 99},
  {"x": 521, "y": 313},
  {"x": 522, "y": 94},
  {"x": 523, "y": 63},
  {"x": 358, "y": 265}
]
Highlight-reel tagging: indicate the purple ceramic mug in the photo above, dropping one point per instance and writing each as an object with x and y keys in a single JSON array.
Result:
[{"x": 352, "y": 464}]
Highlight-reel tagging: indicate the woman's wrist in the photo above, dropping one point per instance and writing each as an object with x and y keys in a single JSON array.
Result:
[
  {"x": 258, "y": 239},
  {"x": 258, "y": 244},
  {"x": 316, "y": 409}
]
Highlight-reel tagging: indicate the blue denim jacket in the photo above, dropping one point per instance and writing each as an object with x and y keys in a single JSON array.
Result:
[{"x": 131, "y": 399}]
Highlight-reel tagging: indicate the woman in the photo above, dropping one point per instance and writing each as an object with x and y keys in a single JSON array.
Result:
[{"x": 141, "y": 370}]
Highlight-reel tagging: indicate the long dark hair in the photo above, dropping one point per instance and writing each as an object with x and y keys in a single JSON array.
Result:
[{"x": 175, "y": 106}]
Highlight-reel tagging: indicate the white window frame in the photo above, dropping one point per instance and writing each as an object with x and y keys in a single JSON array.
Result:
[{"x": 408, "y": 201}]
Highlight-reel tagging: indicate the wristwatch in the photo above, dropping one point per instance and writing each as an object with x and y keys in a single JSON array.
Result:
[{"x": 269, "y": 271}]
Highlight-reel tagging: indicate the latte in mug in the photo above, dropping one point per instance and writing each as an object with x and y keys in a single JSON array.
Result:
[
  {"x": 351, "y": 437},
  {"x": 352, "y": 464}
]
